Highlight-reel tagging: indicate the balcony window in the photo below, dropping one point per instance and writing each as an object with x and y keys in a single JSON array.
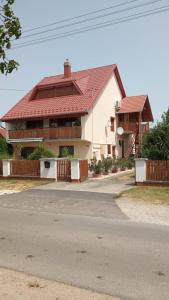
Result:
[
  {"x": 34, "y": 124},
  {"x": 56, "y": 91},
  {"x": 65, "y": 122}
]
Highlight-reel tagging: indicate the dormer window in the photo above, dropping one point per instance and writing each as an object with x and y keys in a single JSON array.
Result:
[{"x": 55, "y": 91}]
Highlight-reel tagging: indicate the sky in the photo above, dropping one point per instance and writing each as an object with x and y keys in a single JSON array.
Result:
[{"x": 140, "y": 48}]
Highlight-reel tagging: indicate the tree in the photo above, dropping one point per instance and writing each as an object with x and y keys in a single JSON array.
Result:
[
  {"x": 10, "y": 29},
  {"x": 156, "y": 142}
]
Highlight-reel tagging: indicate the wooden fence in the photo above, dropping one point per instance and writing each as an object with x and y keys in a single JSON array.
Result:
[
  {"x": 83, "y": 170},
  {"x": 1, "y": 168},
  {"x": 157, "y": 170},
  {"x": 25, "y": 168}
]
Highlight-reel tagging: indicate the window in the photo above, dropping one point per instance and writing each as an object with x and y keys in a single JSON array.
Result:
[
  {"x": 26, "y": 151},
  {"x": 55, "y": 91},
  {"x": 65, "y": 122},
  {"x": 108, "y": 149},
  {"x": 112, "y": 119},
  {"x": 34, "y": 124},
  {"x": 66, "y": 150}
]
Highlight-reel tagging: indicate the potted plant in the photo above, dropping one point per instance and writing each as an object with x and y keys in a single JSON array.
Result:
[
  {"x": 107, "y": 164},
  {"x": 129, "y": 163},
  {"x": 114, "y": 167},
  {"x": 97, "y": 168}
]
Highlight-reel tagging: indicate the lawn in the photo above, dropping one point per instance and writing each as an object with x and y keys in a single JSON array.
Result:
[
  {"x": 157, "y": 195},
  {"x": 21, "y": 184}
]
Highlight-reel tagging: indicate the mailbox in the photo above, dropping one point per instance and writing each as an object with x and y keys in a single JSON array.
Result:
[{"x": 47, "y": 164}]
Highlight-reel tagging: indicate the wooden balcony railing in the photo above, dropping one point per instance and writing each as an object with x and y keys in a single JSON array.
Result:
[
  {"x": 129, "y": 126},
  {"x": 47, "y": 133},
  {"x": 133, "y": 126}
]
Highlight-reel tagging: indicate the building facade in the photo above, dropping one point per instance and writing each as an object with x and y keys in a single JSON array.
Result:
[{"x": 86, "y": 112}]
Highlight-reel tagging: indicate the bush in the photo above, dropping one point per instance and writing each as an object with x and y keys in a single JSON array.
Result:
[
  {"x": 5, "y": 149},
  {"x": 40, "y": 152},
  {"x": 107, "y": 164},
  {"x": 98, "y": 167},
  {"x": 65, "y": 152},
  {"x": 156, "y": 142},
  {"x": 3, "y": 146},
  {"x": 95, "y": 166}
]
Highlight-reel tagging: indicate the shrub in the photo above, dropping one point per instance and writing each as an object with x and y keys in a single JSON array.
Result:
[
  {"x": 95, "y": 166},
  {"x": 3, "y": 146},
  {"x": 107, "y": 164},
  {"x": 40, "y": 152},
  {"x": 98, "y": 167},
  {"x": 5, "y": 149},
  {"x": 65, "y": 152}
]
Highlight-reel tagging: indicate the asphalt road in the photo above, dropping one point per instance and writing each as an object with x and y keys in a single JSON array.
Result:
[{"x": 84, "y": 239}]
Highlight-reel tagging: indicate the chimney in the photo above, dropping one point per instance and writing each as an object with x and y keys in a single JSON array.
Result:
[{"x": 67, "y": 69}]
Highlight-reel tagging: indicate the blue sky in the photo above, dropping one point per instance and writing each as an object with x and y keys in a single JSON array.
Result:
[{"x": 140, "y": 48}]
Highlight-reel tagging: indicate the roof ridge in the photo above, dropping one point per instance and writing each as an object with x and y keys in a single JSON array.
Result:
[{"x": 78, "y": 71}]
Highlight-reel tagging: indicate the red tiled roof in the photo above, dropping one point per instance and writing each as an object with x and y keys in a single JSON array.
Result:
[
  {"x": 90, "y": 82},
  {"x": 137, "y": 104},
  {"x": 132, "y": 104},
  {"x": 2, "y": 133}
]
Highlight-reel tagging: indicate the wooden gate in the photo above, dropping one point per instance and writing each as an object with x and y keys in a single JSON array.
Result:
[
  {"x": 25, "y": 168},
  {"x": 64, "y": 170},
  {"x": 83, "y": 164},
  {"x": 157, "y": 170},
  {"x": 1, "y": 168}
]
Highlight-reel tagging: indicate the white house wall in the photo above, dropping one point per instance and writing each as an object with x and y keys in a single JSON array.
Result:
[{"x": 96, "y": 125}]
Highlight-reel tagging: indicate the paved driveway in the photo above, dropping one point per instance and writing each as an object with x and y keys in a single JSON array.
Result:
[
  {"x": 64, "y": 202},
  {"x": 113, "y": 185}
]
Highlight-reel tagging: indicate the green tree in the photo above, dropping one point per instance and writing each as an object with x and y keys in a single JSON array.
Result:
[
  {"x": 156, "y": 142},
  {"x": 10, "y": 29}
]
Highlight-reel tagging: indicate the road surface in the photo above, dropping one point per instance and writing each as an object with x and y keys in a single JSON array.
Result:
[{"x": 84, "y": 239}]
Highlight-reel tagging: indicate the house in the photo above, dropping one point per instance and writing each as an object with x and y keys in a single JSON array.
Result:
[{"x": 86, "y": 111}]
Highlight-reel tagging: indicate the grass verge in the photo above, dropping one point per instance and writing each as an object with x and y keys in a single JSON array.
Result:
[
  {"x": 21, "y": 184},
  {"x": 157, "y": 195}
]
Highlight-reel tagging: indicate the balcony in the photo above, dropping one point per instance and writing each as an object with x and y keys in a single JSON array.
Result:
[
  {"x": 130, "y": 126},
  {"x": 46, "y": 133}
]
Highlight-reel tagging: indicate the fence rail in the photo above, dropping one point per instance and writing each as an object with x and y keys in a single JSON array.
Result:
[
  {"x": 157, "y": 170},
  {"x": 27, "y": 168}
]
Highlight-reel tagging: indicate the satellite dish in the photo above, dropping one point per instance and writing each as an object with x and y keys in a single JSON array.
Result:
[{"x": 120, "y": 130}]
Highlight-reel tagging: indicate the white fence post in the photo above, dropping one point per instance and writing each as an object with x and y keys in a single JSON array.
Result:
[
  {"x": 140, "y": 165},
  {"x": 75, "y": 170},
  {"x": 48, "y": 168},
  {"x": 6, "y": 167}
]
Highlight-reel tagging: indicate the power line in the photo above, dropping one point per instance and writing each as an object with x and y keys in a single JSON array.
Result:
[
  {"x": 80, "y": 16},
  {"x": 92, "y": 18},
  {"x": 94, "y": 27},
  {"x": 16, "y": 90}
]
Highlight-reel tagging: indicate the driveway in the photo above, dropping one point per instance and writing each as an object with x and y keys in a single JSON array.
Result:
[
  {"x": 113, "y": 184},
  {"x": 64, "y": 202}
]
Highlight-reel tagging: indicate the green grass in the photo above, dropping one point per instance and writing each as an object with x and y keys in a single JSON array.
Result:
[{"x": 157, "y": 195}]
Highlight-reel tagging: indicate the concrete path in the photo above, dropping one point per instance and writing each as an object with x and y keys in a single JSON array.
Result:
[
  {"x": 53, "y": 235},
  {"x": 112, "y": 185}
]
